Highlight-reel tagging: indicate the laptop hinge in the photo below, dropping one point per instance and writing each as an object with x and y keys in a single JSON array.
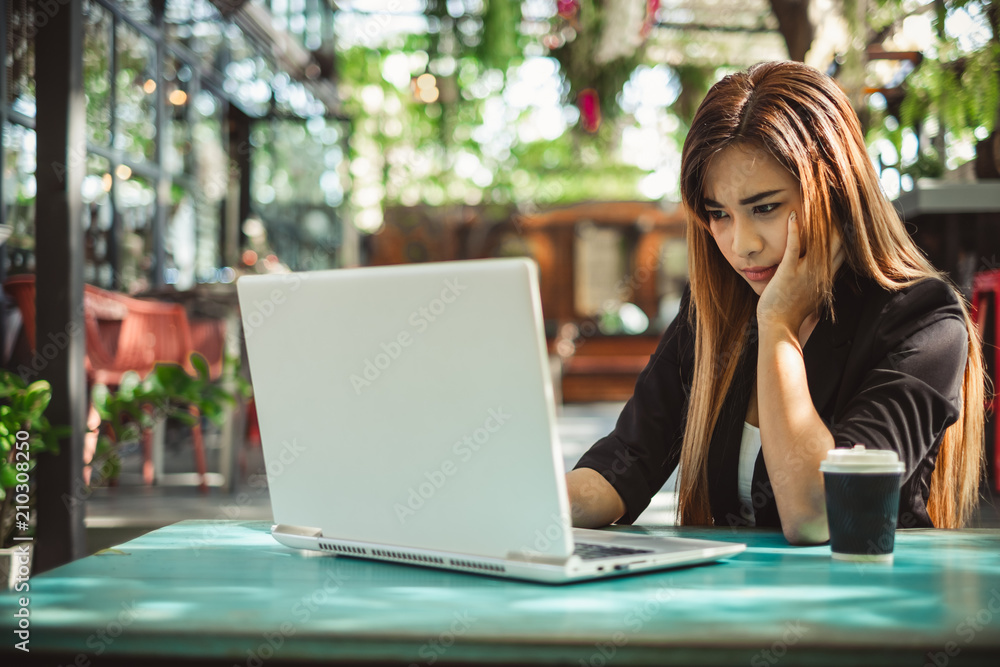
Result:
[
  {"x": 298, "y": 531},
  {"x": 525, "y": 556}
]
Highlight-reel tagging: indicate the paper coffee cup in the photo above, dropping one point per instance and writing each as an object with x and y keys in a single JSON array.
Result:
[{"x": 862, "y": 502}]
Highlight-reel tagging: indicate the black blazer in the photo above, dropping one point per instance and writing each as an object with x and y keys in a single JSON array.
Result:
[{"x": 887, "y": 373}]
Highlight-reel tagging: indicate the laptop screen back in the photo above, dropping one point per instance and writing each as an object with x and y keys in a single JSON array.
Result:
[{"x": 409, "y": 405}]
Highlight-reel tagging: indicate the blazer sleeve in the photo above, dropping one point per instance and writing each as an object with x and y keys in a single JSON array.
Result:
[
  {"x": 642, "y": 451},
  {"x": 912, "y": 391}
]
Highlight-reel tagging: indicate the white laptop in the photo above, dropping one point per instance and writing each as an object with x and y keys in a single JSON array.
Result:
[{"x": 406, "y": 414}]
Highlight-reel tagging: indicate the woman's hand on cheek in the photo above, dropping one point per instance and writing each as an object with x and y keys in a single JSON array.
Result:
[{"x": 790, "y": 296}]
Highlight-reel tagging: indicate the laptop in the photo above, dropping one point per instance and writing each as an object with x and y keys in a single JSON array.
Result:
[{"x": 406, "y": 414}]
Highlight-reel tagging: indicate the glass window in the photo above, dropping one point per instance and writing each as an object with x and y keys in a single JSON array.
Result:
[
  {"x": 97, "y": 26},
  {"x": 296, "y": 189},
  {"x": 207, "y": 243},
  {"x": 19, "y": 187},
  {"x": 197, "y": 25},
  {"x": 98, "y": 216},
  {"x": 135, "y": 201},
  {"x": 177, "y": 80},
  {"x": 298, "y": 161},
  {"x": 137, "y": 10},
  {"x": 247, "y": 82},
  {"x": 303, "y": 19},
  {"x": 181, "y": 239},
  {"x": 293, "y": 98},
  {"x": 213, "y": 181},
  {"x": 135, "y": 108},
  {"x": 20, "y": 57},
  {"x": 599, "y": 264}
]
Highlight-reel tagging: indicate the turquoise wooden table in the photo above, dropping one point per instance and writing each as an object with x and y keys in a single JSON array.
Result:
[{"x": 227, "y": 593}]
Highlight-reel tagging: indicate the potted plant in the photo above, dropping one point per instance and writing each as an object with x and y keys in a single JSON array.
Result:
[
  {"x": 168, "y": 392},
  {"x": 24, "y": 434}
]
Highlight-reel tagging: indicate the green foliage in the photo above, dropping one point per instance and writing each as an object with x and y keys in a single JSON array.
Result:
[
  {"x": 22, "y": 409},
  {"x": 953, "y": 96},
  {"x": 695, "y": 81},
  {"x": 403, "y": 152},
  {"x": 957, "y": 85},
  {"x": 168, "y": 392},
  {"x": 498, "y": 46},
  {"x": 96, "y": 74},
  {"x": 414, "y": 158},
  {"x": 963, "y": 93},
  {"x": 580, "y": 66}
]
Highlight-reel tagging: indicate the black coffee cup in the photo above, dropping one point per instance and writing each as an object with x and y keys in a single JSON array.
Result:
[{"x": 862, "y": 502}]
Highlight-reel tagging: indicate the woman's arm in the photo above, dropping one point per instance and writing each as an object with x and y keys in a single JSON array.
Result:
[
  {"x": 631, "y": 463},
  {"x": 593, "y": 501},
  {"x": 794, "y": 439}
]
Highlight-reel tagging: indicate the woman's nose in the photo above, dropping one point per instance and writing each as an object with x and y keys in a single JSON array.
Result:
[{"x": 746, "y": 240}]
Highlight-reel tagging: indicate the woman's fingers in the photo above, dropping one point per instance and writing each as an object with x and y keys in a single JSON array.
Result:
[{"x": 792, "y": 241}]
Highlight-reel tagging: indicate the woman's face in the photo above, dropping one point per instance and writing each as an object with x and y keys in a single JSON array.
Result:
[{"x": 748, "y": 198}]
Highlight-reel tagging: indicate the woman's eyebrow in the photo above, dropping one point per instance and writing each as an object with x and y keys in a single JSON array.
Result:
[{"x": 748, "y": 200}]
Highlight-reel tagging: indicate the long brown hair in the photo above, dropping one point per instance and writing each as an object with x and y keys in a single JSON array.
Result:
[{"x": 802, "y": 119}]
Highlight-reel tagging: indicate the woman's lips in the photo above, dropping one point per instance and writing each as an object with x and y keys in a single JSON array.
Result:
[{"x": 757, "y": 274}]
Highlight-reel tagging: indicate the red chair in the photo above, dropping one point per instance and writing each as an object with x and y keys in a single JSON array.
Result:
[
  {"x": 98, "y": 308},
  {"x": 983, "y": 284},
  {"x": 124, "y": 334},
  {"x": 208, "y": 337},
  {"x": 150, "y": 333},
  {"x": 21, "y": 288}
]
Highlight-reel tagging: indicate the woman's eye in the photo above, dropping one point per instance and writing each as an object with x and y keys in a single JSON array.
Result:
[
  {"x": 764, "y": 209},
  {"x": 716, "y": 215}
]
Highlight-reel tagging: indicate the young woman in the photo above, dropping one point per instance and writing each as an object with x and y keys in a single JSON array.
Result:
[{"x": 812, "y": 321}]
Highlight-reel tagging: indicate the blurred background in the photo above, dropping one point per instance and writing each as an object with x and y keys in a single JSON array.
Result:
[{"x": 226, "y": 137}]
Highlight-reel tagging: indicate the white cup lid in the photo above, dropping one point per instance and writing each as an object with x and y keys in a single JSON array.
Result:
[{"x": 862, "y": 460}]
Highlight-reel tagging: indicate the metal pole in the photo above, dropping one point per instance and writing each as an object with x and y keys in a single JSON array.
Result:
[
  {"x": 162, "y": 183},
  {"x": 62, "y": 161}
]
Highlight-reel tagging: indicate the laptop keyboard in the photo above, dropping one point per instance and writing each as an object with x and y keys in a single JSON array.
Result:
[{"x": 591, "y": 551}]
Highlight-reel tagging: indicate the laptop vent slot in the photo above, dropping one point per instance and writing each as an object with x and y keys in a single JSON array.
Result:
[
  {"x": 343, "y": 549},
  {"x": 413, "y": 558},
  {"x": 473, "y": 565},
  {"x": 402, "y": 555}
]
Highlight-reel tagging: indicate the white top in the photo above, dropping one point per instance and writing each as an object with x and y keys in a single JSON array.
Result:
[{"x": 749, "y": 449}]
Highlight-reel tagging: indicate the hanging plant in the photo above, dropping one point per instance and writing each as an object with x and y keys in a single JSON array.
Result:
[
  {"x": 498, "y": 47},
  {"x": 590, "y": 110},
  {"x": 652, "y": 6},
  {"x": 963, "y": 94},
  {"x": 695, "y": 81},
  {"x": 956, "y": 86},
  {"x": 598, "y": 44}
]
